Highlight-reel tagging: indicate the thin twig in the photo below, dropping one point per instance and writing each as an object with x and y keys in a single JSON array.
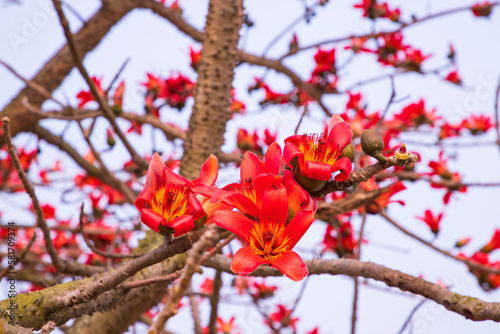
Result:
[
  {"x": 120, "y": 70},
  {"x": 214, "y": 302},
  {"x": 195, "y": 312},
  {"x": 31, "y": 192},
  {"x": 410, "y": 316},
  {"x": 167, "y": 278},
  {"x": 98, "y": 251},
  {"x": 306, "y": 109},
  {"x": 356, "y": 279},
  {"x": 442, "y": 251},
  {"x": 108, "y": 113}
]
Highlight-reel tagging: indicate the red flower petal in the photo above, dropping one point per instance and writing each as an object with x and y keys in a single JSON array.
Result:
[
  {"x": 275, "y": 203},
  {"x": 250, "y": 167},
  {"x": 209, "y": 171},
  {"x": 181, "y": 225},
  {"x": 238, "y": 201},
  {"x": 234, "y": 222},
  {"x": 262, "y": 182},
  {"x": 299, "y": 225},
  {"x": 345, "y": 167},
  {"x": 151, "y": 219},
  {"x": 341, "y": 133},
  {"x": 155, "y": 172},
  {"x": 291, "y": 265},
  {"x": 172, "y": 178},
  {"x": 245, "y": 261},
  {"x": 273, "y": 159},
  {"x": 292, "y": 150},
  {"x": 194, "y": 207},
  {"x": 336, "y": 119},
  {"x": 298, "y": 197},
  {"x": 317, "y": 170}
]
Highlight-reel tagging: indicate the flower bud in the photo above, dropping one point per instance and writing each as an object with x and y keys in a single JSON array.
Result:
[
  {"x": 462, "y": 242},
  {"x": 110, "y": 139},
  {"x": 372, "y": 144},
  {"x": 307, "y": 183},
  {"x": 348, "y": 152},
  {"x": 402, "y": 154}
]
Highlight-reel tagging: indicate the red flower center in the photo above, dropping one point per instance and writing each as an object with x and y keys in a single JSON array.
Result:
[
  {"x": 319, "y": 148},
  {"x": 268, "y": 239},
  {"x": 170, "y": 203}
]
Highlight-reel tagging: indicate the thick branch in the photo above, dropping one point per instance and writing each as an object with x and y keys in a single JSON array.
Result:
[
  {"x": 212, "y": 96},
  {"x": 471, "y": 308},
  {"x": 363, "y": 175}
]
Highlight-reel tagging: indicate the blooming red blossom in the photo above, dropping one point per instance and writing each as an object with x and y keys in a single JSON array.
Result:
[
  {"x": 340, "y": 240},
  {"x": 282, "y": 316},
  {"x": 318, "y": 155},
  {"x": 262, "y": 290},
  {"x": 357, "y": 45},
  {"x": 413, "y": 115},
  {"x": 325, "y": 62},
  {"x": 195, "y": 57},
  {"x": 256, "y": 176},
  {"x": 412, "y": 60},
  {"x": 431, "y": 220},
  {"x": 373, "y": 10},
  {"x": 269, "y": 238},
  {"x": 448, "y": 130},
  {"x": 493, "y": 244},
  {"x": 167, "y": 202},
  {"x": 453, "y": 77},
  {"x": 477, "y": 124},
  {"x": 85, "y": 97},
  {"x": 381, "y": 202},
  {"x": 207, "y": 287}
]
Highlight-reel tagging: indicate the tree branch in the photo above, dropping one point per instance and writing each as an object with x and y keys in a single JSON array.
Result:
[{"x": 470, "y": 307}]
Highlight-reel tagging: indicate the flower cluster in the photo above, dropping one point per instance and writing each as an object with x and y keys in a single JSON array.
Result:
[{"x": 274, "y": 209}]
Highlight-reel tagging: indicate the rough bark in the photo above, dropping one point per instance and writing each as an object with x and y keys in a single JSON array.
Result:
[
  {"x": 212, "y": 95},
  {"x": 470, "y": 307}
]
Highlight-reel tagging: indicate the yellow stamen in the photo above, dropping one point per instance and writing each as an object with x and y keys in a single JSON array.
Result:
[
  {"x": 268, "y": 239},
  {"x": 170, "y": 203},
  {"x": 319, "y": 148}
]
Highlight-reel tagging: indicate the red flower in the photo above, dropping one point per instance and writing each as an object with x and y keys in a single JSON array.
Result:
[
  {"x": 283, "y": 317},
  {"x": 453, "y": 77},
  {"x": 262, "y": 290},
  {"x": 431, "y": 220},
  {"x": 381, "y": 202},
  {"x": 493, "y": 244},
  {"x": 413, "y": 60},
  {"x": 482, "y": 9},
  {"x": 477, "y": 124},
  {"x": 448, "y": 130},
  {"x": 167, "y": 201},
  {"x": 357, "y": 45},
  {"x": 207, "y": 287},
  {"x": 195, "y": 57},
  {"x": 268, "y": 237},
  {"x": 325, "y": 62},
  {"x": 256, "y": 176},
  {"x": 318, "y": 154},
  {"x": 85, "y": 97}
]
